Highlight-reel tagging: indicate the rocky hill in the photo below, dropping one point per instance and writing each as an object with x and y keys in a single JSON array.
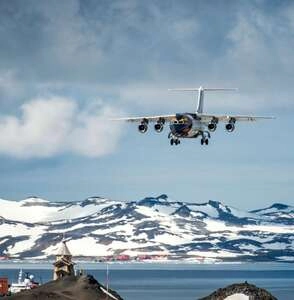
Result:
[
  {"x": 69, "y": 288},
  {"x": 98, "y": 227},
  {"x": 240, "y": 291}
]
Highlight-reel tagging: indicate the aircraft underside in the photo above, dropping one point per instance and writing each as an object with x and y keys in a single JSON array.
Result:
[
  {"x": 175, "y": 137},
  {"x": 183, "y": 126}
]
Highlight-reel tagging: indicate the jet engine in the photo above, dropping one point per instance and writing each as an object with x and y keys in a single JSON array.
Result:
[
  {"x": 159, "y": 125},
  {"x": 212, "y": 125},
  {"x": 230, "y": 127},
  {"x": 143, "y": 127}
]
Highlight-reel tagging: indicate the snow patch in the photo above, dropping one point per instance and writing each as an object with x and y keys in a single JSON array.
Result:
[{"x": 237, "y": 297}]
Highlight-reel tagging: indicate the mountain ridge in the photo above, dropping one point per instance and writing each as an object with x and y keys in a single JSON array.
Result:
[{"x": 153, "y": 226}]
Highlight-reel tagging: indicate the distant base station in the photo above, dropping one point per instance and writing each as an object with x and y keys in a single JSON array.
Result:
[{"x": 191, "y": 125}]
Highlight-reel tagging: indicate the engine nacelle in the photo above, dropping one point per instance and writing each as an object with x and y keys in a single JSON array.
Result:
[
  {"x": 230, "y": 127},
  {"x": 211, "y": 126},
  {"x": 143, "y": 127},
  {"x": 158, "y": 127}
]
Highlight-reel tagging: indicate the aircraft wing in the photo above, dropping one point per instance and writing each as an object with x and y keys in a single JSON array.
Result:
[
  {"x": 226, "y": 118},
  {"x": 149, "y": 118}
]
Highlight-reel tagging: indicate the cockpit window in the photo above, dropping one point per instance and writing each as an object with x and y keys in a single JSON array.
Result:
[{"x": 181, "y": 121}]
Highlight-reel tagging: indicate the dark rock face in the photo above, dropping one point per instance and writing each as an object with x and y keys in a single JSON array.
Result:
[
  {"x": 183, "y": 211},
  {"x": 250, "y": 290},
  {"x": 68, "y": 288}
]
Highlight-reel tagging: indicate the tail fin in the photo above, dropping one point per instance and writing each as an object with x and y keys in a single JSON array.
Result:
[{"x": 200, "y": 91}]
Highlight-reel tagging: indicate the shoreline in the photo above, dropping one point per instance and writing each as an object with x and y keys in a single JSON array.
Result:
[{"x": 164, "y": 265}]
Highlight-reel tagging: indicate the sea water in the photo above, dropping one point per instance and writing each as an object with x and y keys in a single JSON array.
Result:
[{"x": 173, "y": 281}]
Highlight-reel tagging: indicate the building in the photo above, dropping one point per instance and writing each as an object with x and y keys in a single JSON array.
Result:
[
  {"x": 63, "y": 266},
  {"x": 3, "y": 286}
]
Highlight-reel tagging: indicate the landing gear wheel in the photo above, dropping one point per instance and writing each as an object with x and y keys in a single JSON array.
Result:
[
  {"x": 202, "y": 141},
  {"x": 177, "y": 142},
  {"x": 171, "y": 142},
  {"x": 206, "y": 142}
]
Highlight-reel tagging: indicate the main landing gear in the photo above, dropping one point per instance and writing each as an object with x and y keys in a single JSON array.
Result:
[
  {"x": 205, "y": 138},
  {"x": 174, "y": 141},
  {"x": 204, "y": 141}
]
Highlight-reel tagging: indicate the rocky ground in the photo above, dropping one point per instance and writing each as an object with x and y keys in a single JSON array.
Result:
[
  {"x": 250, "y": 290},
  {"x": 69, "y": 288}
]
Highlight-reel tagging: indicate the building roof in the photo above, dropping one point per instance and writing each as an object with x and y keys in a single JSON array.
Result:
[{"x": 63, "y": 250}]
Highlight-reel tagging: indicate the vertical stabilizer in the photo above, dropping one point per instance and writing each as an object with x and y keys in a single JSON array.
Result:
[{"x": 200, "y": 104}]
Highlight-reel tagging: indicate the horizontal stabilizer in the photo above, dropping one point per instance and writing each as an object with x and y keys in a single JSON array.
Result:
[
  {"x": 220, "y": 89},
  {"x": 203, "y": 89}
]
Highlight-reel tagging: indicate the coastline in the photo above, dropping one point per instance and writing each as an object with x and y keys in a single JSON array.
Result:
[
  {"x": 153, "y": 265},
  {"x": 131, "y": 280}
]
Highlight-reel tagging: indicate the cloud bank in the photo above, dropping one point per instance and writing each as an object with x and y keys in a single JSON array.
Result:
[
  {"x": 118, "y": 46},
  {"x": 56, "y": 125},
  {"x": 129, "y": 53}
]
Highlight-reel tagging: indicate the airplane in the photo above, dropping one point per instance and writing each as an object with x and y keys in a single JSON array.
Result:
[{"x": 192, "y": 125}]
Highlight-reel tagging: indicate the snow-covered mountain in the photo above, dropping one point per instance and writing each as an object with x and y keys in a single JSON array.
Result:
[{"x": 32, "y": 228}]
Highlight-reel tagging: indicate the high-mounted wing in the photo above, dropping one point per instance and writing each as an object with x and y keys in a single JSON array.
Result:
[
  {"x": 146, "y": 118},
  {"x": 227, "y": 118},
  {"x": 212, "y": 120},
  {"x": 143, "y": 126}
]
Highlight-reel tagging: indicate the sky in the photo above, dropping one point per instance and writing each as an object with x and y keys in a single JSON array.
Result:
[{"x": 66, "y": 67}]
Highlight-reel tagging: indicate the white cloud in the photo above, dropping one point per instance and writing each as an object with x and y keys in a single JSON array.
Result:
[
  {"x": 54, "y": 125},
  {"x": 94, "y": 135},
  {"x": 138, "y": 51}
]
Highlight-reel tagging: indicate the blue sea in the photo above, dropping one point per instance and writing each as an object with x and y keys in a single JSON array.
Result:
[{"x": 173, "y": 281}]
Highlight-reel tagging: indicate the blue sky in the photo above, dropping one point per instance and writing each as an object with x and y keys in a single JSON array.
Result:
[{"x": 66, "y": 66}]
